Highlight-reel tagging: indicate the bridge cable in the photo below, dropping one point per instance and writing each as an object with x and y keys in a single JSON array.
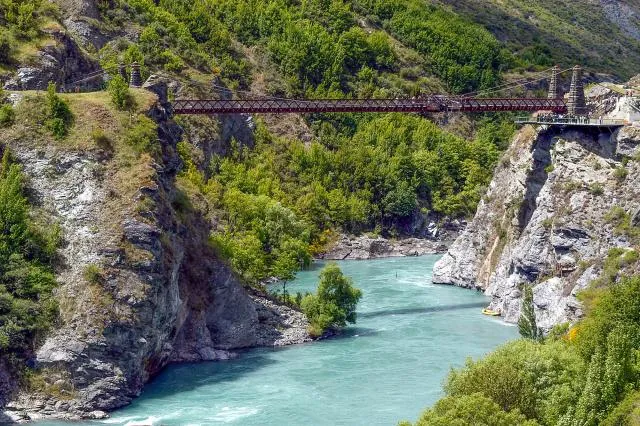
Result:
[
  {"x": 514, "y": 85},
  {"x": 506, "y": 86},
  {"x": 545, "y": 72}
]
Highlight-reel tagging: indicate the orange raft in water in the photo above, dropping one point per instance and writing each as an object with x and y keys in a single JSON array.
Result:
[{"x": 491, "y": 313}]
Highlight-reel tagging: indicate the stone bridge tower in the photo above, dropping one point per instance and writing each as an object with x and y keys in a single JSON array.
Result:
[
  {"x": 576, "y": 104},
  {"x": 554, "y": 89}
]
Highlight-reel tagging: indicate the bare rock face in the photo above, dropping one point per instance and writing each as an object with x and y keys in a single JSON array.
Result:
[
  {"x": 163, "y": 295},
  {"x": 82, "y": 19},
  {"x": 365, "y": 247},
  {"x": 63, "y": 63},
  {"x": 622, "y": 15},
  {"x": 546, "y": 221}
]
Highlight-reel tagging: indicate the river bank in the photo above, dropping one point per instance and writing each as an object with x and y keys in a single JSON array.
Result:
[
  {"x": 364, "y": 247},
  {"x": 387, "y": 367}
]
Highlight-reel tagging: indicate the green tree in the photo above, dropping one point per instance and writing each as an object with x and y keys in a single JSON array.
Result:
[
  {"x": 400, "y": 201},
  {"x": 527, "y": 321},
  {"x": 59, "y": 116},
  {"x": 334, "y": 304},
  {"x": 474, "y": 409},
  {"x": 119, "y": 91},
  {"x": 542, "y": 381},
  {"x": 26, "y": 280}
]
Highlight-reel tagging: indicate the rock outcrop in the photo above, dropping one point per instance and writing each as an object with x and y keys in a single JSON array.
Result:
[
  {"x": 158, "y": 293},
  {"x": 63, "y": 63},
  {"x": 548, "y": 219},
  {"x": 365, "y": 247}
]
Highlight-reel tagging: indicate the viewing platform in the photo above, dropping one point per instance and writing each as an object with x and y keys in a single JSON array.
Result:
[{"x": 571, "y": 121}]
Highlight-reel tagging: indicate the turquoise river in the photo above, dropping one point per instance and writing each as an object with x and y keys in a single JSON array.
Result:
[{"x": 386, "y": 368}]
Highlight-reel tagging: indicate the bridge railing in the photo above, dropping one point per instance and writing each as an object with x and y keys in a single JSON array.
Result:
[
  {"x": 578, "y": 121},
  {"x": 433, "y": 103}
]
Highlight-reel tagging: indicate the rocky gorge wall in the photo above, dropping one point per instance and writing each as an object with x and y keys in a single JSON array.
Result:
[
  {"x": 547, "y": 220},
  {"x": 162, "y": 294}
]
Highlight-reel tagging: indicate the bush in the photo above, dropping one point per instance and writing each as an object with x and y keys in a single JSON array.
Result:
[
  {"x": 620, "y": 173},
  {"x": 59, "y": 116},
  {"x": 143, "y": 136},
  {"x": 540, "y": 380},
  {"x": 27, "y": 309},
  {"x": 596, "y": 189},
  {"x": 334, "y": 304},
  {"x": 172, "y": 62},
  {"x": 119, "y": 91},
  {"x": 7, "y": 115},
  {"x": 474, "y": 409},
  {"x": 93, "y": 274},
  {"x": 100, "y": 139}
]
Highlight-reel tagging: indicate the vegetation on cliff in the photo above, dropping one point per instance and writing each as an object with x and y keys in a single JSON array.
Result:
[
  {"x": 588, "y": 374},
  {"x": 27, "y": 251},
  {"x": 281, "y": 199}
]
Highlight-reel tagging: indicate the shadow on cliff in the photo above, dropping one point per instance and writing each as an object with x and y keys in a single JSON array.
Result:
[
  {"x": 592, "y": 140},
  {"x": 425, "y": 310},
  {"x": 186, "y": 377},
  {"x": 600, "y": 143}
]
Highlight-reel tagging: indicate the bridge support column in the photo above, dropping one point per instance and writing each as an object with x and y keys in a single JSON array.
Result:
[
  {"x": 576, "y": 104},
  {"x": 122, "y": 71},
  {"x": 136, "y": 78},
  {"x": 554, "y": 89}
]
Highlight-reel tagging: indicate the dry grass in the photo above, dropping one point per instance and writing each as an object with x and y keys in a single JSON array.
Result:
[
  {"x": 100, "y": 130},
  {"x": 52, "y": 382}
]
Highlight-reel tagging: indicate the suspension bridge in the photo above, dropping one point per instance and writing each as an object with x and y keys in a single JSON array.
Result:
[
  {"x": 554, "y": 108},
  {"x": 471, "y": 102}
]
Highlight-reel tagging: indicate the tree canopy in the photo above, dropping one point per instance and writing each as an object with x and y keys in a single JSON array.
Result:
[{"x": 334, "y": 304}]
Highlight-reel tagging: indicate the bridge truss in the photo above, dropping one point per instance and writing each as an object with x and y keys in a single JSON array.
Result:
[{"x": 435, "y": 103}]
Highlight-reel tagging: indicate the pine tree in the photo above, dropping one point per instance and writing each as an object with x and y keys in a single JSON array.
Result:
[{"x": 527, "y": 321}]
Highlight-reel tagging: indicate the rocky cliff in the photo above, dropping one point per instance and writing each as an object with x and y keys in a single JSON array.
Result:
[
  {"x": 140, "y": 286},
  {"x": 559, "y": 200}
]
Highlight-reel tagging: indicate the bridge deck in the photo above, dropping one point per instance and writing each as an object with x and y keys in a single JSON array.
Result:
[{"x": 434, "y": 103}]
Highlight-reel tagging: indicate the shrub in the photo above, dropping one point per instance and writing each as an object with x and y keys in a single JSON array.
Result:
[
  {"x": 26, "y": 280},
  {"x": 100, "y": 139},
  {"x": 596, "y": 189},
  {"x": 7, "y": 115},
  {"x": 172, "y": 62},
  {"x": 540, "y": 380},
  {"x": 627, "y": 413},
  {"x": 119, "y": 91},
  {"x": 620, "y": 173},
  {"x": 93, "y": 274},
  {"x": 474, "y": 409},
  {"x": 143, "y": 136},
  {"x": 618, "y": 305},
  {"x": 59, "y": 116},
  {"x": 334, "y": 304}
]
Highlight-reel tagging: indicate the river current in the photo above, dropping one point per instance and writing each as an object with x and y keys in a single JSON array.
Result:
[{"x": 388, "y": 367}]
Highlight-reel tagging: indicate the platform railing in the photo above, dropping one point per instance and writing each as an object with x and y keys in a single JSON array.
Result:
[{"x": 577, "y": 121}]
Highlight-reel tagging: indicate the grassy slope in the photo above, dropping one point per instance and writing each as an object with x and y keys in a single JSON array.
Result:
[{"x": 572, "y": 31}]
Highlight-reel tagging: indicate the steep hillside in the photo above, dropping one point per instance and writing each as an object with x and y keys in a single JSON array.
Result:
[
  {"x": 130, "y": 297},
  {"x": 602, "y": 35},
  {"x": 169, "y": 226}
]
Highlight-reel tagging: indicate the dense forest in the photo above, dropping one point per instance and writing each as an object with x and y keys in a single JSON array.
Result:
[{"x": 279, "y": 202}]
